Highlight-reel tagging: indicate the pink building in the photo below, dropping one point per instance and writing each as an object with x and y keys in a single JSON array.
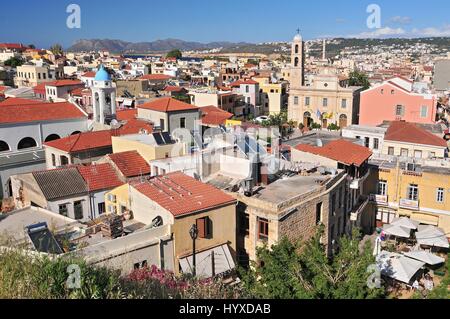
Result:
[{"x": 394, "y": 100}]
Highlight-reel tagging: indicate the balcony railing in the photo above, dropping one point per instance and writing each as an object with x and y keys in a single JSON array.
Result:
[
  {"x": 409, "y": 204},
  {"x": 354, "y": 216}
]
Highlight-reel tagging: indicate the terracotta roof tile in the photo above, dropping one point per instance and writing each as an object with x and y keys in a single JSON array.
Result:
[
  {"x": 82, "y": 141},
  {"x": 167, "y": 104},
  {"x": 126, "y": 114},
  {"x": 131, "y": 163},
  {"x": 22, "y": 111},
  {"x": 155, "y": 77},
  {"x": 181, "y": 194},
  {"x": 339, "y": 150},
  {"x": 90, "y": 74},
  {"x": 100, "y": 176},
  {"x": 61, "y": 83},
  {"x": 411, "y": 133},
  {"x": 134, "y": 126},
  {"x": 214, "y": 116}
]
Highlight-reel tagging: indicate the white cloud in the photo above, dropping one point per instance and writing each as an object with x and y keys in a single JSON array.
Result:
[
  {"x": 432, "y": 31},
  {"x": 401, "y": 20},
  {"x": 379, "y": 33}
]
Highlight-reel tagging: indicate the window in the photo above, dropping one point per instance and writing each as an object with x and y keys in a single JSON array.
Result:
[
  {"x": 139, "y": 265},
  {"x": 183, "y": 122},
  {"x": 204, "y": 226},
  {"x": 432, "y": 154},
  {"x": 295, "y": 100},
  {"x": 385, "y": 216},
  {"x": 376, "y": 143},
  {"x": 4, "y": 147},
  {"x": 263, "y": 229},
  {"x": 390, "y": 150},
  {"x": 161, "y": 124},
  {"x": 247, "y": 89},
  {"x": 423, "y": 111},
  {"x": 63, "y": 160},
  {"x": 440, "y": 195},
  {"x": 26, "y": 142},
  {"x": 392, "y": 91},
  {"x": 78, "y": 210},
  {"x": 367, "y": 142},
  {"x": 413, "y": 192},
  {"x": 101, "y": 208},
  {"x": 399, "y": 110},
  {"x": 307, "y": 101},
  {"x": 417, "y": 154},
  {"x": 245, "y": 224},
  {"x": 53, "y": 160},
  {"x": 296, "y": 48},
  {"x": 382, "y": 187},
  {"x": 404, "y": 152},
  {"x": 344, "y": 103},
  {"x": 318, "y": 213},
  {"x": 63, "y": 210},
  {"x": 325, "y": 102}
]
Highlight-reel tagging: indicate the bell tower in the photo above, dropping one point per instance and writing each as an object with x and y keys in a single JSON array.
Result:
[
  {"x": 297, "y": 61},
  {"x": 104, "y": 97}
]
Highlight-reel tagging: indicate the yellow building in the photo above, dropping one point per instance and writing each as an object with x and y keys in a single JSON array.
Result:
[
  {"x": 273, "y": 95},
  {"x": 419, "y": 192},
  {"x": 181, "y": 201},
  {"x": 148, "y": 147}
]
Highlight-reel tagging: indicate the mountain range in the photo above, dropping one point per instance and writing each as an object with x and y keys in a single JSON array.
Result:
[{"x": 119, "y": 46}]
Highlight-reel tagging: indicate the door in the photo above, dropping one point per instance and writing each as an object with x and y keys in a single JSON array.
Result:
[{"x": 325, "y": 123}]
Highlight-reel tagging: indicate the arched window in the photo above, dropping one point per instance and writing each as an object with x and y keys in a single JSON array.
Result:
[
  {"x": 296, "y": 49},
  {"x": 4, "y": 147},
  {"x": 75, "y": 133},
  {"x": 27, "y": 142},
  {"x": 52, "y": 137},
  {"x": 296, "y": 61}
]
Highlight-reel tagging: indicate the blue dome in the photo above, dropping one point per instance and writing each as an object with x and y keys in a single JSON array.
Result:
[{"x": 102, "y": 75}]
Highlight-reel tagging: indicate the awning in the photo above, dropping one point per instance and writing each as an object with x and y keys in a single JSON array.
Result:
[
  {"x": 397, "y": 231},
  {"x": 398, "y": 267},
  {"x": 432, "y": 236},
  {"x": 405, "y": 222},
  {"x": 426, "y": 257},
  {"x": 209, "y": 263}
]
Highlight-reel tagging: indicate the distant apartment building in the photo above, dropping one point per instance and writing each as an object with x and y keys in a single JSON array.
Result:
[
  {"x": 395, "y": 100},
  {"x": 225, "y": 100},
  {"x": 274, "y": 97},
  {"x": 249, "y": 90}
]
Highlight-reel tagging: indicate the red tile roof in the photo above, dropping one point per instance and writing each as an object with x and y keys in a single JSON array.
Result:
[
  {"x": 411, "y": 133},
  {"x": 22, "y": 111},
  {"x": 4, "y": 88},
  {"x": 239, "y": 82},
  {"x": 126, "y": 114},
  {"x": 131, "y": 164},
  {"x": 170, "y": 88},
  {"x": 167, "y": 104},
  {"x": 12, "y": 46},
  {"x": 40, "y": 88},
  {"x": 100, "y": 176},
  {"x": 82, "y": 141},
  {"x": 90, "y": 74},
  {"x": 341, "y": 151},
  {"x": 155, "y": 77},
  {"x": 134, "y": 126},
  {"x": 61, "y": 83},
  {"x": 214, "y": 116},
  {"x": 181, "y": 194}
]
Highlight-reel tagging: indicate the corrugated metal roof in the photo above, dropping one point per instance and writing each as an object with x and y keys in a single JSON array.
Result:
[{"x": 60, "y": 183}]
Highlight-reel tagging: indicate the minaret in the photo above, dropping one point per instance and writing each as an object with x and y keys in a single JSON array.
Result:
[
  {"x": 324, "y": 50},
  {"x": 297, "y": 62},
  {"x": 104, "y": 97}
]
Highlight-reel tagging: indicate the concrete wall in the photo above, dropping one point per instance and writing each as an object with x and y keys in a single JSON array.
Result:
[{"x": 426, "y": 150}]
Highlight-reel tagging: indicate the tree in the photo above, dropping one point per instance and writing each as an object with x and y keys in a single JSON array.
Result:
[
  {"x": 32, "y": 46},
  {"x": 14, "y": 62},
  {"x": 174, "y": 54},
  {"x": 357, "y": 78},
  {"x": 56, "y": 49},
  {"x": 277, "y": 120},
  {"x": 303, "y": 270}
]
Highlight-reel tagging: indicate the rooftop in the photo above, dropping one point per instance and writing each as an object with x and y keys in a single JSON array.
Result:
[
  {"x": 341, "y": 151},
  {"x": 100, "y": 176},
  {"x": 82, "y": 141},
  {"x": 130, "y": 163},
  {"x": 214, "y": 116},
  {"x": 181, "y": 194},
  {"x": 167, "y": 104},
  {"x": 23, "y": 111},
  {"x": 161, "y": 77},
  {"x": 411, "y": 133}
]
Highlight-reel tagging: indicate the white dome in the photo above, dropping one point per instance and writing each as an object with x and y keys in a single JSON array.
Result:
[{"x": 298, "y": 37}]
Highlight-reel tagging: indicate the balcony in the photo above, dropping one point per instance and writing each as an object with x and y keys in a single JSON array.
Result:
[
  {"x": 356, "y": 213},
  {"x": 409, "y": 204},
  {"x": 379, "y": 199}
]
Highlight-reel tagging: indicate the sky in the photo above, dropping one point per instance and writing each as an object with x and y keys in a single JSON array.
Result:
[{"x": 43, "y": 22}]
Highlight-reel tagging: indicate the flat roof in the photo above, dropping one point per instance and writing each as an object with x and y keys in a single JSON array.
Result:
[{"x": 325, "y": 136}]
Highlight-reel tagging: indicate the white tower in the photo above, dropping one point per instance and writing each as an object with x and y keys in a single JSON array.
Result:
[
  {"x": 104, "y": 96},
  {"x": 297, "y": 62}
]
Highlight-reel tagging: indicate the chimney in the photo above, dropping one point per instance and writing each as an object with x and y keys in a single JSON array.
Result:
[{"x": 264, "y": 174}]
